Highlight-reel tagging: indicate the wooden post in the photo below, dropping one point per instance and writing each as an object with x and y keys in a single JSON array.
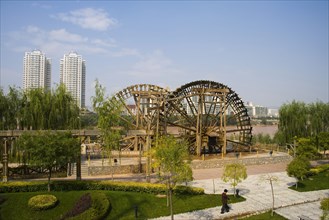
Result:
[
  {"x": 78, "y": 177},
  {"x": 5, "y": 163}
]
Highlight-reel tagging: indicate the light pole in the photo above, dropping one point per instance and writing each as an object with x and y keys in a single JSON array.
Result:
[{"x": 78, "y": 177}]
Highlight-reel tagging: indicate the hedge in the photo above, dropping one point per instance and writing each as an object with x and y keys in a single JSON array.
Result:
[
  {"x": 37, "y": 186},
  {"x": 99, "y": 208},
  {"x": 83, "y": 204},
  {"x": 42, "y": 202}
]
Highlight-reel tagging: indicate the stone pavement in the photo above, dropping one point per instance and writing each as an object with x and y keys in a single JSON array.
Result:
[{"x": 257, "y": 191}]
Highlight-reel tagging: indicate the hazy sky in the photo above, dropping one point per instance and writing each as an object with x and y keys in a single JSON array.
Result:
[{"x": 268, "y": 52}]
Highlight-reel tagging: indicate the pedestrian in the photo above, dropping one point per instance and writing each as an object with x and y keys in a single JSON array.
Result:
[{"x": 224, "y": 202}]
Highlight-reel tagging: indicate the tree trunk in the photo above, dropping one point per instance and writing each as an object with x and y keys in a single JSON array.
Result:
[
  {"x": 272, "y": 197},
  {"x": 168, "y": 187},
  {"x": 171, "y": 208},
  {"x": 234, "y": 182},
  {"x": 49, "y": 176},
  {"x": 111, "y": 164}
]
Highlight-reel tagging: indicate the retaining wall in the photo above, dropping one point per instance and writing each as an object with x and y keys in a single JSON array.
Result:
[
  {"x": 196, "y": 164},
  {"x": 217, "y": 163}
]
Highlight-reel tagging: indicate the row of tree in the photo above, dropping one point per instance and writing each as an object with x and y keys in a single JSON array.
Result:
[
  {"x": 298, "y": 119},
  {"x": 37, "y": 109}
]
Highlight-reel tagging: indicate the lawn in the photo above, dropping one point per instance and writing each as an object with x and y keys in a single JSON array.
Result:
[
  {"x": 123, "y": 205},
  {"x": 265, "y": 216},
  {"x": 316, "y": 182}
]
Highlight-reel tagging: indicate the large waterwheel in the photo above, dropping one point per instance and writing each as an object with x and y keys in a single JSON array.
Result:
[
  {"x": 202, "y": 110},
  {"x": 141, "y": 111}
]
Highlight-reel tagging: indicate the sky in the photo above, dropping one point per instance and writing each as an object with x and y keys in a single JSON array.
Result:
[{"x": 269, "y": 52}]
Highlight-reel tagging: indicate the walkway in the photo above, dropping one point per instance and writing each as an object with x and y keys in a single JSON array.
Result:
[{"x": 257, "y": 191}]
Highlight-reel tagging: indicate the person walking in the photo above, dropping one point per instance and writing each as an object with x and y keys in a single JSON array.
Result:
[{"x": 225, "y": 199}]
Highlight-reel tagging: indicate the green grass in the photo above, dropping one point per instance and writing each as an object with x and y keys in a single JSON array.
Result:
[
  {"x": 15, "y": 206},
  {"x": 265, "y": 216},
  {"x": 316, "y": 182},
  {"x": 123, "y": 203}
]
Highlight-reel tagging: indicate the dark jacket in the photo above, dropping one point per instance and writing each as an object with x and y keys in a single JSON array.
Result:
[{"x": 224, "y": 198}]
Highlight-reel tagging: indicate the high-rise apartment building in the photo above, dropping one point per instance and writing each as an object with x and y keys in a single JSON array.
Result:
[
  {"x": 37, "y": 70},
  {"x": 73, "y": 76}
]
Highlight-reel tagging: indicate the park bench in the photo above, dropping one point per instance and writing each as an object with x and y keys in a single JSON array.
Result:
[{"x": 303, "y": 217}]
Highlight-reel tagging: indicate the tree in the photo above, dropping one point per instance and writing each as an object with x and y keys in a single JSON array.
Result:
[
  {"x": 298, "y": 168},
  {"x": 10, "y": 108},
  {"x": 173, "y": 159},
  {"x": 300, "y": 120},
  {"x": 49, "y": 149},
  {"x": 38, "y": 109},
  {"x": 305, "y": 148},
  {"x": 323, "y": 139},
  {"x": 234, "y": 173},
  {"x": 293, "y": 120},
  {"x": 319, "y": 117},
  {"x": 109, "y": 110},
  {"x": 271, "y": 179}
]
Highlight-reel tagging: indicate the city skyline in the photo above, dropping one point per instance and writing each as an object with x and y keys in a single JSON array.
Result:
[{"x": 269, "y": 53}]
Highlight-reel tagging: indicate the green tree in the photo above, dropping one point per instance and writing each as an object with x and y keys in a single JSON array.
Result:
[
  {"x": 323, "y": 139},
  {"x": 234, "y": 173},
  {"x": 49, "y": 149},
  {"x": 108, "y": 110},
  {"x": 38, "y": 109},
  {"x": 173, "y": 160},
  {"x": 318, "y": 118},
  {"x": 298, "y": 119},
  {"x": 305, "y": 148},
  {"x": 293, "y": 120},
  {"x": 10, "y": 108},
  {"x": 271, "y": 179},
  {"x": 298, "y": 168}
]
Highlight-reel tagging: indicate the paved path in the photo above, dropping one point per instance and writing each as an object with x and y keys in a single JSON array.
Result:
[{"x": 257, "y": 191}]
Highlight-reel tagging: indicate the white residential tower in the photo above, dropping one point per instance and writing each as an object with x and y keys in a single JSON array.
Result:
[
  {"x": 37, "y": 70},
  {"x": 73, "y": 76}
]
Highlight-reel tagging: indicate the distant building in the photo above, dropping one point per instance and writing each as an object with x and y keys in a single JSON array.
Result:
[
  {"x": 256, "y": 111},
  {"x": 36, "y": 70},
  {"x": 73, "y": 76},
  {"x": 273, "y": 112}
]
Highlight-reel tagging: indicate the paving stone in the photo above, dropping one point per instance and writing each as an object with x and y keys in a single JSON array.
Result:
[{"x": 288, "y": 203}]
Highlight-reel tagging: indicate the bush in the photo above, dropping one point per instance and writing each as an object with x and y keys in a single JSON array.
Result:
[
  {"x": 325, "y": 204},
  {"x": 95, "y": 185},
  {"x": 319, "y": 169},
  {"x": 22, "y": 187},
  {"x": 80, "y": 206},
  {"x": 42, "y": 202},
  {"x": 325, "y": 209},
  {"x": 299, "y": 168},
  {"x": 100, "y": 206},
  {"x": 186, "y": 190}
]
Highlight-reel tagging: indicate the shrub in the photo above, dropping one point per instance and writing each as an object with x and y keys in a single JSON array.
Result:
[
  {"x": 23, "y": 186},
  {"x": 95, "y": 185},
  {"x": 319, "y": 169},
  {"x": 185, "y": 190},
  {"x": 100, "y": 206},
  {"x": 325, "y": 208},
  {"x": 42, "y": 202},
  {"x": 80, "y": 206},
  {"x": 325, "y": 204}
]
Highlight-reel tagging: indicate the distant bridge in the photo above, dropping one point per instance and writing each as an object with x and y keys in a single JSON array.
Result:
[{"x": 17, "y": 133}]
